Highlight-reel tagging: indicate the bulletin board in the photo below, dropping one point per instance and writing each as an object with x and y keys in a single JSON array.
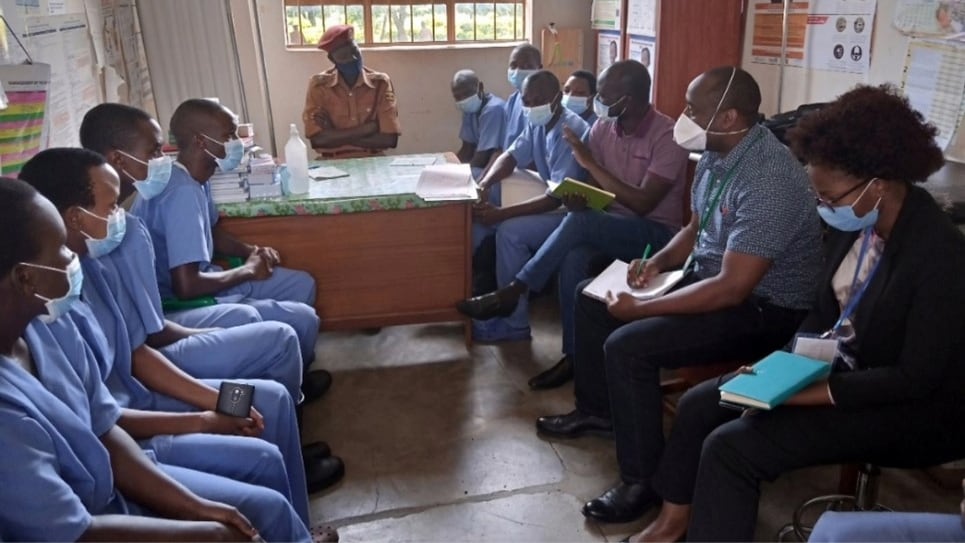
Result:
[{"x": 562, "y": 50}]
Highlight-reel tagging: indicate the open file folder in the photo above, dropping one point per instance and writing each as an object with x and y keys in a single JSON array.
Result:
[{"x": 446, "y": 182}]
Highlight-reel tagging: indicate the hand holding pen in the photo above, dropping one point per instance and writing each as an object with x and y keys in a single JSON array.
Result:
[{"x": 641, "y": 271}]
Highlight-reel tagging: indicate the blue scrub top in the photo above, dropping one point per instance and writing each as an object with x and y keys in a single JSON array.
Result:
[
  {"x": 515, "y": 119},
  {"x": 179, "y": 220},
  {"x": 485, "y": 129},
  {"x": 553, "y": 156},
  {"x": 49, "y": 428}
]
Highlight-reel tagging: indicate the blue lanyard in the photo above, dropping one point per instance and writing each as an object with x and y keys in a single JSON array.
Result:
[{"x": 855, "y": 297}]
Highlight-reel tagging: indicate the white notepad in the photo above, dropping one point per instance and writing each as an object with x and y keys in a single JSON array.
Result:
[{"x": 614, "y": 279}]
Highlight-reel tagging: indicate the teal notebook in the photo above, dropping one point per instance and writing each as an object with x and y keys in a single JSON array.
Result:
[{"x": 776, "y": 378}]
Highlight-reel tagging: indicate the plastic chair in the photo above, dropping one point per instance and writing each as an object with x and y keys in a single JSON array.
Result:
[{"x": 169, "y": 305}]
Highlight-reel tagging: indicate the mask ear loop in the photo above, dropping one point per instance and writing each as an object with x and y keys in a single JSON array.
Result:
[{"x": 721, "y": 102}]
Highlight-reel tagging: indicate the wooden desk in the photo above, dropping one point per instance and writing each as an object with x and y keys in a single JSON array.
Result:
[{"x": 379, "y": 254}]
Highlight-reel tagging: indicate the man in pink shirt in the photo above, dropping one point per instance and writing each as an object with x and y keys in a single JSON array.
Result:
[{"x": 630, "y": 152}]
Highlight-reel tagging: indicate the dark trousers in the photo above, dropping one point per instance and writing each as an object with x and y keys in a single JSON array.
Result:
[
  {"x": 724, "y": 458},
  {"x": 617, "y": 365}
]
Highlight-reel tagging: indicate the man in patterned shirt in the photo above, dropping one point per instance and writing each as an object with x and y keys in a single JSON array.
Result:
[{"x": 754, "y": 236}]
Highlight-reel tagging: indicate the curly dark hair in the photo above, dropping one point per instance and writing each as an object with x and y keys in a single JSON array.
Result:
[{"x": 870, "y": 132}]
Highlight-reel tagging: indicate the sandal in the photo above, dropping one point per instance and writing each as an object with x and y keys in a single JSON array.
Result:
[{"x": 324, "y": 534}]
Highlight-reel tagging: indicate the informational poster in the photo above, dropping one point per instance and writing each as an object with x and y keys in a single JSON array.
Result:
[
  {"x": 607, "y": 50},
  {"x": 831, "y": 35},
  {"x": 119, "y": 48},
  {"x": 642, "y": 17},
  {"x": 934, "y": 81},
  {"x": 942, "y": 19},
  {"x": 606, "y": 15},
  {"x": 22, "y": 122},
  {"x": 64, "y": 42},
  {"x": 643, "y": 50}
]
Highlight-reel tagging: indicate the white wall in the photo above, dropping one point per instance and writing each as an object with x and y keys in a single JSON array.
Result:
[
  {"x": 421, "y": 76},
  {"x": 802, "y": 86}
]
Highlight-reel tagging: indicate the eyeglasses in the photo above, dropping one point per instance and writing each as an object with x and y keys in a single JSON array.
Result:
[{"x": 829, "y": 204}]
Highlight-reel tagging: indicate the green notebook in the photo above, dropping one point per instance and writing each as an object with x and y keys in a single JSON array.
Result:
[{"x": 596, "y": 197}]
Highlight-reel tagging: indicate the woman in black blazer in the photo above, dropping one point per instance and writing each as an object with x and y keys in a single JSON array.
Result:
[{"x": 896, "y": 396}]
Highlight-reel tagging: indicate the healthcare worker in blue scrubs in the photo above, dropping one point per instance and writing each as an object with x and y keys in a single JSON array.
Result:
[
  {"x": 131, "y": 141},
  {"x": 139, "y": 376},
  {"x": 58, "y": 424},
  {"x": 183, "y": 223}
]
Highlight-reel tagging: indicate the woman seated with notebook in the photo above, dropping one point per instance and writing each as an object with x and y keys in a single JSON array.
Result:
[{"x": 892, "y": 296}]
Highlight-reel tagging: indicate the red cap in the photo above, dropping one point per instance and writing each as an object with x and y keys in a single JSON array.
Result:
[{"x": 335, "y": 37}]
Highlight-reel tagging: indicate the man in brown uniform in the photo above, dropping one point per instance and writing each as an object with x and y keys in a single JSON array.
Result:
[{"x": 350, "y": 110}]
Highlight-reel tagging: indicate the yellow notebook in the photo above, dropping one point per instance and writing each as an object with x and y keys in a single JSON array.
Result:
[{"x": 596, "y": 197}]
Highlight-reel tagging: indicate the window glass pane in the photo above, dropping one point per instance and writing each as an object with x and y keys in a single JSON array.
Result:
[
  {"x": 355, "y": 16},
  {"x": 380, "y": 24},
  {"x": 422, "y": 22},
  {"x": 485, "y": 21},
  {"x": 505, "y": 21},
  {"x": 401, "y": 23},
  {"x": 520, "y": 32},
  {"x": 312, "y": 27},
  {"x": 294, "y": 36},
  {"x": 465, "y": 21},
  {"x": 442, "y": 23}
]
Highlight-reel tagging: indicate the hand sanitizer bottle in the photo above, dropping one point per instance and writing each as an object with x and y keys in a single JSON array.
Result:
[{"x": 296, "y": 157}]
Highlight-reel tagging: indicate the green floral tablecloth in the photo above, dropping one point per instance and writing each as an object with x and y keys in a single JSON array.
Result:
[{"x": 373, "y": 184}]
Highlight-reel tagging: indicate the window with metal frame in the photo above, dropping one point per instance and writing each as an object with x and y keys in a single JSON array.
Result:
[{"x": 388, "y": 23}]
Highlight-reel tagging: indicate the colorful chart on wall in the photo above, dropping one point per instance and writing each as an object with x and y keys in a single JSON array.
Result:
[
  {"x": 941, "y": 19},
  {"x": 22, "y": 122},
  {"x": 830, "y": 35}
]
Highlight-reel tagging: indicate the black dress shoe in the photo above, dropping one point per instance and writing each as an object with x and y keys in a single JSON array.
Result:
[
  {"x": 557, "y": 376},
  {"x": 316, "y": 450},
  {"x": 487, "y": 306},
  {"x": 622, "y": 503},
  {"x": 574, "y": 424},
  {"x": 321, "y": 473},
  {"x": 315, "y": 384}
]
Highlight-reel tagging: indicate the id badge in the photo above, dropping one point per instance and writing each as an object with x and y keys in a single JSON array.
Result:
[{"x": 816, "y": 347}]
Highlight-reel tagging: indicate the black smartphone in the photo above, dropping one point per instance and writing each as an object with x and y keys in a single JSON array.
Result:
[{"x": 234, "y": 399}]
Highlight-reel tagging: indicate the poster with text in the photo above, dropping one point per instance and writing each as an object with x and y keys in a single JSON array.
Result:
[
  {"x": 642, "y": 17},
  {"x": 643, "y": 50},
  {"x": 607, "y": 50},
  {"x": 839, "y": 42},
  {"x": 606, "y": 15}
]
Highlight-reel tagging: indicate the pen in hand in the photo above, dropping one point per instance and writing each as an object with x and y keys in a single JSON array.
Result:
[{"x": 646, "y": 255}]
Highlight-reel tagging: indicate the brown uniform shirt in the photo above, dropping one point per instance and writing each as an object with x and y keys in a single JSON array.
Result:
[{"x": 371, "y": 99}]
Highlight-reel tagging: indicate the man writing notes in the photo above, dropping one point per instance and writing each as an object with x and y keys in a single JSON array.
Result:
[{"x": 350, "y": 110}]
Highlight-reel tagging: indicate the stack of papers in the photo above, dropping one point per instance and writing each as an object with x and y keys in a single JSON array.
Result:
[
  {"x": 230, "y": 187},
  {"x": 326, "y": 172},
  {"x": 446, "y": 182},
  {"x": 614, "y": 279}
]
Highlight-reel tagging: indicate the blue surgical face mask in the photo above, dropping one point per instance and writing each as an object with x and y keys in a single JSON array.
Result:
[
  {"x": 350, "y": 70},
  {"x": 234, "y": 151},
  {"x": 539, "y": 115},
  {"x": 470, "y": 105},
  {"x": 158, "y": 175},
  {"x": 116, "y": 228},
  {"x": 845, "y": 219},
  {"x": 576, "y": 104},
  {"x": 517, "y": 76},
  {"x": 57, "y": 307}
]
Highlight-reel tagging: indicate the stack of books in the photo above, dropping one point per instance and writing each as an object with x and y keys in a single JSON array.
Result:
[{"x": 229, "y": 187}]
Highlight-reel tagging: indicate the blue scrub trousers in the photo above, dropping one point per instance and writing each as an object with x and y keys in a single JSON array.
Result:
[
  {"x": 264, "y": 350},
  {"x": 215, "y": 316},
  {"x": 281, "y": 429},
  {"x": 287, "y": 296},
  {"x": 579, "y": 238},
  {"x": 517, "y": 239},
  {"x": 835, "y": 527},
  {"x": 267, "y": 510}
]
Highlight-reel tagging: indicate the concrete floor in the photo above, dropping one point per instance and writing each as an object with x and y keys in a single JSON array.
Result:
[{"x": 439, "y": 445}]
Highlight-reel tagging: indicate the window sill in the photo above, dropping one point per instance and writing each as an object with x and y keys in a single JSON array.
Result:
[{"x": 508, "y": 45}]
